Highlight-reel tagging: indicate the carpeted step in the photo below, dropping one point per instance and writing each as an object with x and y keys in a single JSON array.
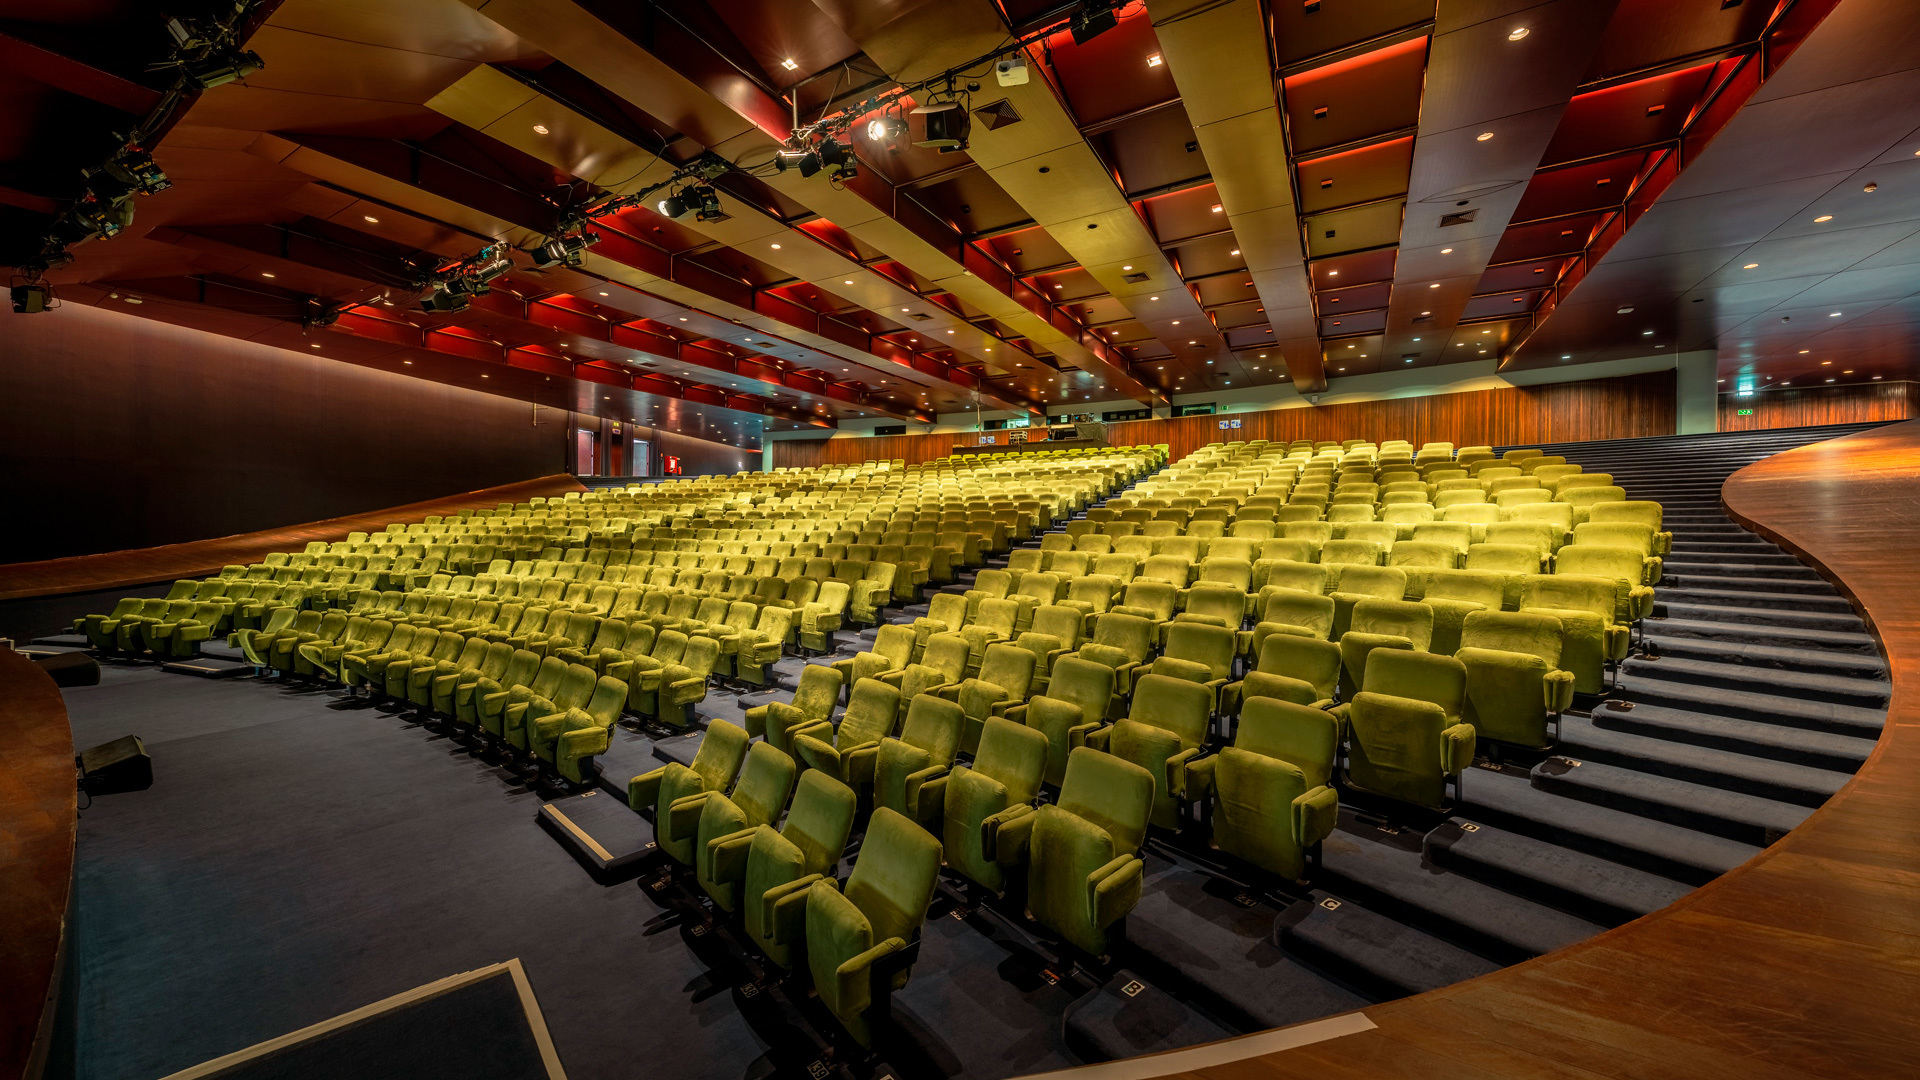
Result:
[
  {"x": 1757, "y": 556},
  {"x": 1753, "y": 597},
  {"x": 1512, "y": 802},
  {"x": 1718, "y": 548},
  {"x": 1817, "y": 749},
  {"x": 1199, "y": 931},
  {"x": 1129, "y": 1016},
  {"x": 1371, "y": 952},
  {"x": 1767, "y": 778},
  {"x": 1806, "y": 685},
  {"x": 1744, "y": 572},
  {"x": 1766, "y": 708},
  {"x": 1675, "y": 626},
  {"x": 1746, "y": 819},
  {"x": 1800, "y": 656},
  {"x": 1686, "y": 580},
  {"x": 1396, "y": 882},
  {"x": 1608, "y": 893},
  {"x": 1734, "y": 613}
]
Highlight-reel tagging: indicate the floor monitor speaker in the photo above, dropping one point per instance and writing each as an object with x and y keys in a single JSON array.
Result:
[{"x": 113, "y": 767}]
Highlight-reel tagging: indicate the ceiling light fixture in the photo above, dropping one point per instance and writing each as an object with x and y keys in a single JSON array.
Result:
[
  {"x": 371, "y": 220},
  {"x": 789, "y": 64},
  {"x": 1155, "y": 61},
  {"x": 1216, "y": 208},
  {"x": 1483, "y": 136},
  {"x": 1235, "y": 251},
  {"x": 1823, "y": 217},
  {"x": 263, "y": 273},
  {"x": 775, "y": 247},
  {"x": 1751, "y": 266},
  {"x": 539, "y": 129},
  {"x": 1435, "y": 285},
  {"x": 1517, "y": 33}
]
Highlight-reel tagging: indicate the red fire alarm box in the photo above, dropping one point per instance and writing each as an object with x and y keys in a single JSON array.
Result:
[{"x": 669, "y": 465}]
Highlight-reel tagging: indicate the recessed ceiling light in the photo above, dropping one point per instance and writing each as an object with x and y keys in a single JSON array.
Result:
[
  {"x": 1646, "y": 333},
  {"x": 789, "y": 64},
  {"x": 1833, "y": 314},
  {"x": 1751, "y": 266},
  {"x": 775, "y": 247},
  {"x": 1339, "y": 369},
  {"x": 1216, "y": 208},
  {"x": 1517, "y": 33},
  {"x": 371, "y": 220},
  {"x": 1446, "y": 251},
  {"x": 1349, "y": 346},
  {"x": 1823, "y": 217},
  {"x": 1829, "y": 380},
  {"x": 539, "y": 129},
  {"x": 1435, "y": 285},
  {"x": 1153, "y": 298},
  {"x": 1786, "y": 384},
  {"x": 409, "y": 362},
  {"x": 263, "y": 273},
  {"x": 1626, "y": 310},
  {"x": 1848, "y": 371},
  {"x": 313, "y": 345},
  {"x": 1804, "y": 352},
  {"x": 603, "y": 294},
  {"x": 1569, "y": 356},
  {"x": 949, "y": 331},
  {"x": 1176, "y": 322},
  {"x": 485, "y": 376},
  {"x": 1235, "y": 251},
  {"x": 1483, "y": 136},
  {"x": 1826, "y": 363},
  {"x": 1876, "y": 376},
  {"x": 1426, "y": 313}
]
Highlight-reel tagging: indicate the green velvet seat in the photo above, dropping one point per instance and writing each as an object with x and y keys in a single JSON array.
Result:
[
  {"x": 1405, "y": 733},
  {"x": 1591, "y": 636},
  {"x": 1302, "y": 670},
  {"x": 715, "y": 765},
  {"x": 546, "y": 683},
  {"x": 1005, "y": 675},
  {"x": 758, "y": 796},
  {"x": 1163, "y": 731},
  {"x": 1078, "y": 698},
  {"x": 1199, "y": 653},
  {"x": 851, "y": 933},
  {"x": 1003, "y": 779},
  {"x": 1381, "y": 624},
  {"x": 1122, "y": 642},
  {"x": 1083, "y": 870},
  {"x": 1272, "y": 799},
  {"x": 1514, "y": 683},
  {"x": 775, "y": 869},
  {"x": 488, "y": 698},
  {"x": 892, "y": 651},
  {"x": 847, "y": 752},
  {"x": 814, "y": 699},
  {"x": 910, "y": 772},
  {"x": 452, "y": 694},
  {"x": 643, "y": 673},
  {"x": 541, "y": 720}
]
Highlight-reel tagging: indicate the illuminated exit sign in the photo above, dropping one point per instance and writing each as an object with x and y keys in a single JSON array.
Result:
[{"x": 1743, "y": 412}]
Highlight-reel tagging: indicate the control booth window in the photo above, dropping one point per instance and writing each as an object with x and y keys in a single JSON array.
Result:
[{"x": 1195, "y": 410}]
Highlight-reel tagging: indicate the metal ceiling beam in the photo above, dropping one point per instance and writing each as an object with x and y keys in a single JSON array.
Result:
[
  {"x": 745, "y": 125},
  {"x": 513, "y": 112},
  {"x": 1217, "y": 54},
  {"x": 1480, "y": 80},
  {"x": 1048, "y": 168},
  {"x": 400, "y": 175}
]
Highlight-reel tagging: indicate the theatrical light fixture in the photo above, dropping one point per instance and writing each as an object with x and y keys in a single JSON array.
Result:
[
  {"x": 567, "y": 250},
  {"x": 31, "y": 298},
  {"x": 444, "y": 300},
  {"x": 947, "y": 124},
  {"x": 1093, "y": 19},
  {"x": 882, "y": 128}
]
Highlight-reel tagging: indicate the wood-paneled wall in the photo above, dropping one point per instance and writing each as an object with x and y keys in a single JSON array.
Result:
[
  {"x": 1620, "y": 408},
  {"x": 1815, "y": 405}
]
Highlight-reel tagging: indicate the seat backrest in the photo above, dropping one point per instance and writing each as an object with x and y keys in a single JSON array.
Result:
[
  {"x": 894, "y": 875},
  {"x": 1060, "y": 621},
  {"x": 1395, "y": 618},
  {"x": 1476, "y": 586},
  {"x": 871, "y": 712},
  {"x": 1014, "y": 755},
  {"x": 1303, "y": 736},
  {"x": 1114, "y": 794},
  {"x": 1009, "y": 667},
  {"x": 1083, "y": 683},
  {"x": 1641, "y": 511},
  {"x": 1621, "y": 534},
  {"x": 1380, "y": 582},
  {"x": 1570, "y": 592},
  {"x": 766, "y": 780},
  {"x": 933, "y": 724},
  {"x": 1174, "y": 705},
  {"x": 1422, "y": 553},
  {"x": 819, "y": 821},
  {"x": 895, "y": 642},
  {"x": 546, "y": 682},
  {"x": 1295, "y": 608},
  {"x": 1593, "y": 560},
  {"x": 1504, "y": 558},
  {"x": 1131, "y": 634},
  {"x": 1514, "y": 631},
  {"x": 1421, "y": 675}
]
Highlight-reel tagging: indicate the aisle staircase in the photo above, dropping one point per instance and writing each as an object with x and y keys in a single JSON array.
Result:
[{"x": 1759, "y": 695}]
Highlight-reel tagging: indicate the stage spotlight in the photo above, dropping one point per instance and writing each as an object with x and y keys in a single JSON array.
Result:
[
  {"x": 834, "y": 153},
  {"x": 946, "y": 126},
  {"x": 673, "y": 206},
  {"x": 787, "y": 159},
  {"x": 445, "y": 300},
  {"x": 707, "y": 202},
  {"x": 568, "y": 250},
  {"x": 1093, "y": 20},
  {"x": 222, "y": 68},
  {"x": 809, "y": 165},
  {"x": 882, "y": 128},
  {"x": 31, "y": 299}
]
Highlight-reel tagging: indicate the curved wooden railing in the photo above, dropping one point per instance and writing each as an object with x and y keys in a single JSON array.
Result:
[
  {"x": 37, "y": 824},
  {"x": 200, "y": 558},
  {"x": 1804, "y": 962}
]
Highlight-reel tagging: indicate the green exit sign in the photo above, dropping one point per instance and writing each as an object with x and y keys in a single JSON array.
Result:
[{"x": 1743, "y": 412}]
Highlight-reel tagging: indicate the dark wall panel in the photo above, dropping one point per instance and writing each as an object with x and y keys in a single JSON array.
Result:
[
  {"x": 120, "y": 432},
  {"x": 699, "y": 457},
  {"x": 1816, "y": 405}
]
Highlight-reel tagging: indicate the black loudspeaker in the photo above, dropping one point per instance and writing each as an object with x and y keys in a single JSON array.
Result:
[
  {"x": 113, "y": 767},
  {"x": 70, "y": 668}
]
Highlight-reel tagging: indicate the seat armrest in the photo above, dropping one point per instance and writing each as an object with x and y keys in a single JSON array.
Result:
[
  {"x": 683, "y": 815},
  {"x": 1004, "y": 836},
  {"x": 1114, "y": 889},
  {"x": 643, "y": 791},
  {"x": 784, "y": 909},
  {"x": 727, "y": 855},
  {"x": 1558, "y": 689},
  {"x": 1198, "y": 780},
  {"x": 1456, "y": 748},
  {"x": 1314, "y": 815}
]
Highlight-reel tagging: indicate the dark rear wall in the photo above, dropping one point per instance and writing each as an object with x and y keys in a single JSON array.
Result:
[{"x": 119, "y": 432}]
